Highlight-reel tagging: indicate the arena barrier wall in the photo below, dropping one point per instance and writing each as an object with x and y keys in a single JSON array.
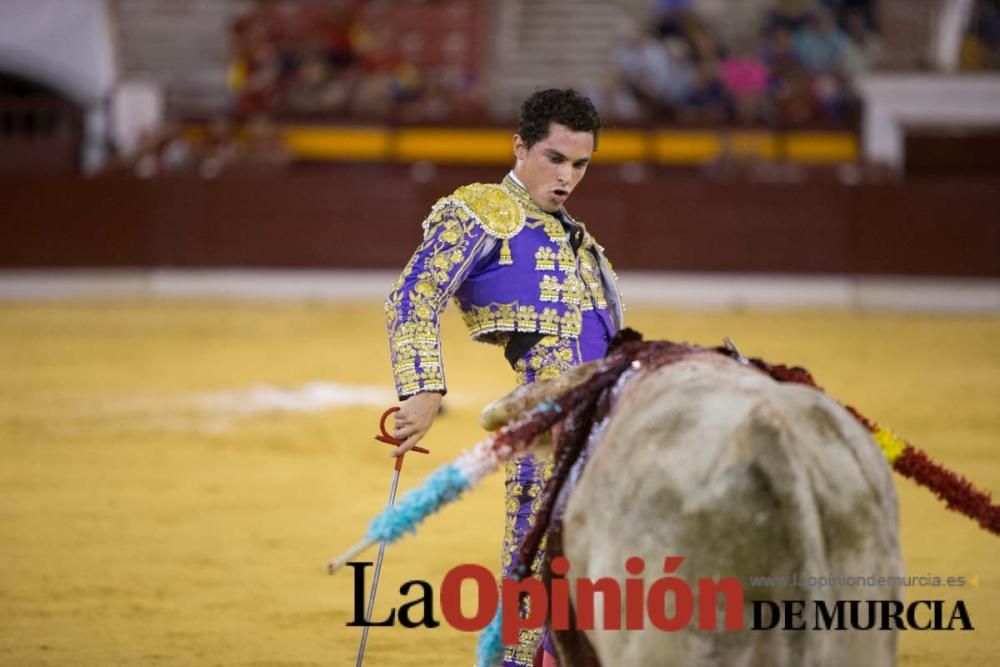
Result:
[{"x": 368, "y": 217}]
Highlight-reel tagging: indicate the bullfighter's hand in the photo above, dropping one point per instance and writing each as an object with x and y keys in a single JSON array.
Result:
[{"x": 414, "y": 419}]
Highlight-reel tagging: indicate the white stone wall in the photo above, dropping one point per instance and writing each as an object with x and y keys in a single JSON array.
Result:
[{"x": 65, "y": 45}]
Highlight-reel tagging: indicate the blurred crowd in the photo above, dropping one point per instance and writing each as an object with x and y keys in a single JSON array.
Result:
[
  {"x": 791, "y": 64},
  {"x": 394, "y": 61},
  {"x": 794, "y": 66},
  {"x": 779, "y": 62},
  {"x": 208, "y": 152}
]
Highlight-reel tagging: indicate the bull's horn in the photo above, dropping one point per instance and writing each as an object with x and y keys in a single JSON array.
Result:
[{"x": 499, "y": 413}]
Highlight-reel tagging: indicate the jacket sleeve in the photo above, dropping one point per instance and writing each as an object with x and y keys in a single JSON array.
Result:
[{"x": 452, "y": 244}]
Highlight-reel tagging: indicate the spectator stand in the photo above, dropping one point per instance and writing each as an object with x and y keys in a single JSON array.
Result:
[
  {"x": 794, "y": 67},
  {"x": 392, "y": 61}
]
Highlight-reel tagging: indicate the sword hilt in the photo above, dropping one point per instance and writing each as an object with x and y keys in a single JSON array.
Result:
[
  {"x": 389, "y": 439},
  {"x": 338, "y": 562}
]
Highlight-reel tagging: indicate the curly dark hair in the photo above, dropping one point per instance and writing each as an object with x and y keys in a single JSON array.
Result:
[{"x": 555, "y": 105}]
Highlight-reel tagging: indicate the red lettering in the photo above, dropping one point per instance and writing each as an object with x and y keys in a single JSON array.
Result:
[
  {"x": 683, "y": 598},
  {"x": 732, "y": 592},
  {"x": 451, "y": 597},
  {"x": 611, "y": 597},
  {"x": 559, "y": 595},
  {"x": 635, "y": 594},
  {"x": 538, "y": 607}
]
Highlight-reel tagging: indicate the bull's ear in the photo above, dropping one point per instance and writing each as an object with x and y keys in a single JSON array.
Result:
[{"x": 509, "y": 408}]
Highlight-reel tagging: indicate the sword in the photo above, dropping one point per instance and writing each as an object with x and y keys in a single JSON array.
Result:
[{"x": 395, "y": 442}]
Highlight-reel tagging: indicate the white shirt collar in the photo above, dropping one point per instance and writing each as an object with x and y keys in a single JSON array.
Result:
[{"x": 517, "y": 180}]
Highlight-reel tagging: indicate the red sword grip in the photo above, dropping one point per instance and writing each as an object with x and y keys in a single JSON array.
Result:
[{"x": 387, "y": 438}]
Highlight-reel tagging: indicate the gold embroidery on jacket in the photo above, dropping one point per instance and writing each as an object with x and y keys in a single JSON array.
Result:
[
  {"x": 545, "y": 259},
  {"x": 567, "y": 259},
  {"x": 548, "y": 322},
  {"x": 527, "y": 319},
  {"x": 590, "y": 272},
  {"x": 495, "y": 318},
  {"x": 571, "y": 323},
  {"x": 434, "y": 271},
  {"x": 493, "y": 207},
  {"x": 500, "y": 214},
  {"x": 572, "y": 290},
  {"x": 554, "y": 229},
  {"x": 549, "y": 289},
  {"x": 549, "y": 358}
]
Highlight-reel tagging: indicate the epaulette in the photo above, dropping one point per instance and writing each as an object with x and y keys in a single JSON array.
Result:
[{"x": 495, "y": 210}]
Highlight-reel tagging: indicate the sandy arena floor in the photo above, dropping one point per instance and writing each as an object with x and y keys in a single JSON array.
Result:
[{"x": 173, "y": 477}]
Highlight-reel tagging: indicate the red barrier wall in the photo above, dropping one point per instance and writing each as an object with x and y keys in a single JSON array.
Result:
[{"x": 367, "y": 216}]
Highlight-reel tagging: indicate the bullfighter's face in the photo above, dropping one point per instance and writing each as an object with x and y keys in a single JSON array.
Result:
[{"x": 552, "y": 167}]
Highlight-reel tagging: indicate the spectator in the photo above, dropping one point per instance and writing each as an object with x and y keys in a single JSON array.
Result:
[
  {"x": 615, "y": 100},
  {"x": 163, "y": 151},
  {"x": 671, "y": 16},
  {"x": 307, "y": 92},
  {"x": 745, "y": 76},
  {"x": 147, "y": 161},
  {"x": 820, "y": 44},
  {"x": 264, "y": 146},
  {"x": 679, "y": 84},
  {"x": 657, "y": 76},
  {"x": 791, "y": 14},
  {"x": 629, "y": 59},
  {"x": 220, "y": 149},
  {"x": 175, "y": 152},
  {"x": 790, "y": 85},
  {"x": 862, "y": 48},
  {"x": 334, "y": 25},
  {"x": 843, "y": 9},
  {"x": 707, "y": 102},
  {"x": 261, "y": 73}
]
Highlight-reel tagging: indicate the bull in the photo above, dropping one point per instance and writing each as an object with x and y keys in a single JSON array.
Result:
[{"x": 710, "y": 459}]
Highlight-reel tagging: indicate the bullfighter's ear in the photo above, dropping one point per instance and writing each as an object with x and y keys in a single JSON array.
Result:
[{"x": 511, "y": 407}]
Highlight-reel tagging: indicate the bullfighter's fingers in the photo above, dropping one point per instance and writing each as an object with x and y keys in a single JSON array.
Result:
[{"x": 409, "y": 444}]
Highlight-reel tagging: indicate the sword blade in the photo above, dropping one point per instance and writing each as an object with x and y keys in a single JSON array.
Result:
[{"x": 375, "y": 575}]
